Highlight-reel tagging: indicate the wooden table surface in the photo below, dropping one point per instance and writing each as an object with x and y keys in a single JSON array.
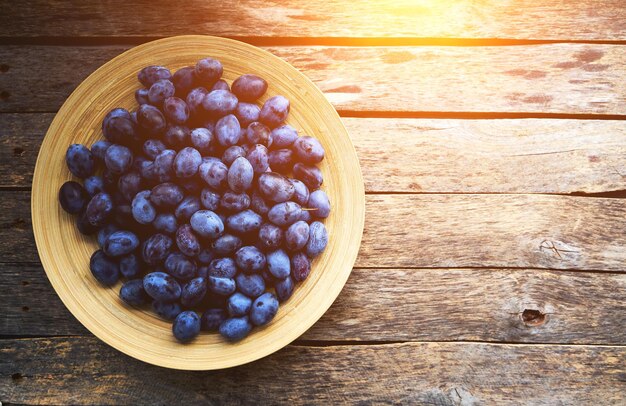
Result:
[{"x": 492, "y": 141}]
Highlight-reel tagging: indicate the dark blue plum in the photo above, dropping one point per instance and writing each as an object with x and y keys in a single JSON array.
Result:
[
  {"x": 152, "y": 148},
  {"x": 226, "y": 244},
  {"x": 106, "y": 270},
  {"x": 275, "y": 187},
  {"x": 193, "y": 292},
  {"x": 99, "y": 148},
  {"x": 278, "y": 264},
  {"x": 296, "y": 236},
  {"x": 166, "y": 310},
  {"x": 212, "y": 318},
  {"x": 274, "y": 111},
  {"x": 133, "y": 293},
  {"x": 120, "y": 243},
  {"x": 165, "y": 223},
  {"x": 142, "y": 209},
  {"x": 223, "y": 268},
  {"x": 130, "y": 266},
  {"x": 284, "y": 288},
  {"x": 187, "y": 241},
  {"x": 94, "y": 185},
  {"x": 184, "y": 80},
  {"x": 153, "y": 73},
  {"x": 186, "y": 326},
  {"x": 250, "y": 259},
  {"x": 207, "y": 224},
  {"x": 301, "y": 192},
  {"x": 235, "y": 329},
  {"x": 118, "y": 159},
  {"x": 202, "y": 139},
  {"x": 160, "y": 90},
  {"x": 308, "y": 150},
  {"x": 219, "y": 103},
  {"x": 240, "y": 175},
  {"x": 142, "y": 96},
  {"x": 166, "y": 195},
  {"x": 214, "y": 173},
  {"x": 310, "y": 175},
  {"x": 209, "y": 199},
  {"x": 285, "y": 214},
  {"x": 250, "y": 285},
  {"x": 99, "y": 209},
  {"x": 319, "y": 201},
  {"x": 208, "y": 71},
  {"x": 105, "y": 232},
  {"x": 129, "y": 184},
  {"x": 119, "y": 127},
  {"x": 281, "y": 159},
  {"x": 238, "y": 304},
  {"x": 194, "y": 99},
  {"x": 80, "y": 161},
  {"x": 232, "y": 153},
  {"x": 247, "y": 113},
  {"x": 176, "y": 110},
  {"x": 73, "y": 197},
  {"x": 84, "y": 226},
  {"x": 180, "y": 266},
  {"x": 258, "y": 158},
  {"x": 270, "y": 236},
  {"x": 187, "y": 162},
  {"x": 234, "y": 202},
  {"x": 187, "y": 208},
  {"x": 284, "y": 136},
  {"x": 222, "y": 286},
  {"x": 176, "y": 136},
  {"x": 249, "y": 87},
  {"x": 318, "y": 239},
  {"x": 264, "y": 309},
  {"x": 258, "y": 203},
  {"x": 259, "y": 133},
  {"x": 227, "y": 130},
  {"x": 162, "y": 287},
  {"x": 150, "y": 120},
  {"x": 300, "y": 266},
  {"x": 220, "y": 85},
  {"x": 156, "y": 248},
  {"x": 244, "y": 222}
]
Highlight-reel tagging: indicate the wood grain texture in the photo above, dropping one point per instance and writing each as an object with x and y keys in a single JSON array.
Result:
[
  {"x": 85, "y": 371},
  {"x": 299, "y": 19},
  {"x": 440, "y": 231},
  {"x": 455, "y": 156},
  {"x": 532, "y": 79},
  {"x": 63, "y": 249},
  {"x": 494, "y": 305}
]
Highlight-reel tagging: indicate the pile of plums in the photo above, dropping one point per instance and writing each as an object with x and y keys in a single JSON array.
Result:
[{"x": 203, "y": 200}]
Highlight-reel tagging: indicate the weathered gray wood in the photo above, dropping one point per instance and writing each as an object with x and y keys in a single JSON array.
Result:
[
  {"x": 298, "y": 19},
  {"x": 440, "y": 231},
  {"x": 532, "y": 79},
  {"x": 534, "y": 231},
  {"x": 496, "y": 305},
  {"x": 460, "y": 156},
  {"x": 86, "y": 371}
]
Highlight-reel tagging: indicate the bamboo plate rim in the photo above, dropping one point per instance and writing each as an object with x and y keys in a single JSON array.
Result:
[{"x": 64, "y": 252}]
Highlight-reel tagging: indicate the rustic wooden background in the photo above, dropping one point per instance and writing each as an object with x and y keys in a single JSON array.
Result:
[{"x": 492, "y": 140}]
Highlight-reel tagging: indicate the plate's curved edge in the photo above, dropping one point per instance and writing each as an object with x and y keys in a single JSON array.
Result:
[{"x": 360, "y": 223}]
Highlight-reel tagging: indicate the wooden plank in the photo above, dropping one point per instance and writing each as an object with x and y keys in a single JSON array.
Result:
[
  {"x": 532, "y": 79},
  {"x": 441, "y": 231},
  {"x": 495, "y": 305},
  {"x": 526, "y": 19},
  {"x": 86, "y": 371},
  {"x": 455, "y": 156}
]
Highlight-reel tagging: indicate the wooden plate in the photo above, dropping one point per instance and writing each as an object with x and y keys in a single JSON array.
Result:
[{"x": 65, "y": 252}]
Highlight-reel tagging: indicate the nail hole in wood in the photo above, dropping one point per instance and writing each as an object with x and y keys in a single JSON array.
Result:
[
  {"x": 25, "y": 308},
  {"x": 25, "y": 283},
  {"x": 17, "y": 376},
  {"x": 4, "y": 67},
  {"x": 18, "y": 151},
  {"x": 4, "y": 95},
  {"x": 533, "y": 318}
]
